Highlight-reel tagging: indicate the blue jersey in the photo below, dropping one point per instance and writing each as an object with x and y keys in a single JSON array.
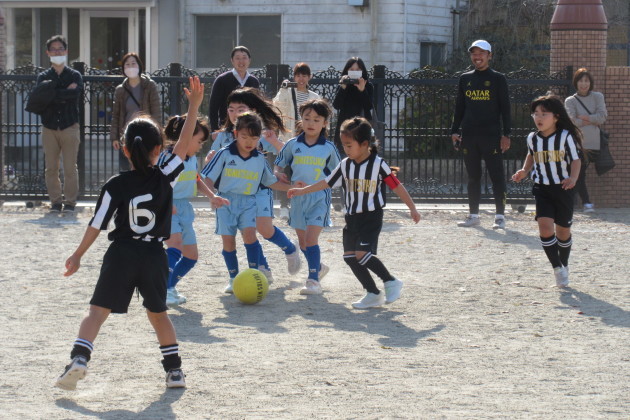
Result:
[
  {"x": 224, "y": 138},
  {"x": 309, "y": 164},
  {"x": 231, "y": 173},
  {"x": 186, "y": 186}
]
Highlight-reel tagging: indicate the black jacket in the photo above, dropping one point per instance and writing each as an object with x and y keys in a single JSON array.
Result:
[
  {"x": 41, "y": 96},
  {"x": 63, "y": 110}
]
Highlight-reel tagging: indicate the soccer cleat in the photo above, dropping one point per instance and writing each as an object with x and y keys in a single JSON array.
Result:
[
  {"x": 392, "y": 290},
  {"x": 76, "y": 370},
  {"x": 499, "y": 223},
  {"x": 311, "y": 287},
  {"x": 323, "y": 270},
  {"x": 589, "y": 208},
  {"x": 228, "y": 288},
  {"x": 55, "y": 208},
  {"x": 68, "y": 208},
  {"x": 267, "y": 273},
  {"x": 175, "y": 378},
  {"x": 469, "y": 221},
  {"x": 284, "y": 213},
  {"x": 562, "y": 276},
  {"x": 370, "y": 300},
  {"x": 293, "y": 260}
]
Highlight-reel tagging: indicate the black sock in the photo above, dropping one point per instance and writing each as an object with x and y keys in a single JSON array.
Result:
[
  {"x": 82, "y": 348},
  {"x": 361, "y": 273},
  {"x": 171, "y": 358},
  {"x": 550, "y": 245},
  {"x": 376, "y": 266},
  {"x": 564, "y": 250}
]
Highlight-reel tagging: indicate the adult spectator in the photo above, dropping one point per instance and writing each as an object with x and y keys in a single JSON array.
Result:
[
  {"x": 136, "y": 95},
  {"x": 60, "y": 133},
  {"x": 482, "y": 111},
  {"x": 587, "y": 109},
  {"x": 225, "y": 83}
]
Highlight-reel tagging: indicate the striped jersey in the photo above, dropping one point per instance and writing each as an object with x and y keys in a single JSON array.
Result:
[
  {"x": 234, "y": 174},
  {"x": 224, "y": 138},
  {"x": 308, "y": 163},
  {"x": 186, "y": 185},
  {"x": 552, "y": 156},
  {"x": 363, "y": 183},
  {"x": 141, "y": 205}
]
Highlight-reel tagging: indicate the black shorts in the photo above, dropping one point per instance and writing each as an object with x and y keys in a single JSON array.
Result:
[
  {"x": 554, "y": 202},
  {"x": 131, "y": 263},
  {"x": 362, "y": 230}
]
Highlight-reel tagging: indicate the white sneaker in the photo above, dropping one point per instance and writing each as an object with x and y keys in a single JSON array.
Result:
[
  {"x": 228, "y": 288},
  {"x": 293, "y": 260},
  {"x": 267, "y": 273},
  {"x": 284, "y": 213},
  {"x": 76, "y": 370},
  {"x": 180, "y": 298},
  {"x": 171, "y": 299},
  {"x": 175, "y": 378},
  {"x": 562, "y": 276},
  {"x": 370, "y": 300},
  {"x": 311, "y": 287},
  {"x": 323, "y": 270},
  {"x": 392, "y": 290},
  {"x": 469, "y": 221},
  {"x": 589, "y": 208},
  {"x": 499, "y": 223}
]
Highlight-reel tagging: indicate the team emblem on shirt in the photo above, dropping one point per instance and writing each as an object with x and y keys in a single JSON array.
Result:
[
  {"x": 298, "y": 150},
  {"x": 232, "y": 163},
  {"x": 486, "y": 83}
]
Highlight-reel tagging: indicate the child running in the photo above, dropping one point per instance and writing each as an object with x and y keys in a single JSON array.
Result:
[
  {"x": 363, "y": 175},
  {"x": 141, "y": 202},
  {"x": 553, "y": 156},
  {"x": 251, "y": 100},
  {"x": 311, "y": 158},
  {"x": 181, "y": 248},
  {"x": 237, "y": 172}
]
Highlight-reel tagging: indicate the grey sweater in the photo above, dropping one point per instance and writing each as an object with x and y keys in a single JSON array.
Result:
[{"x": 594, "y": 101}]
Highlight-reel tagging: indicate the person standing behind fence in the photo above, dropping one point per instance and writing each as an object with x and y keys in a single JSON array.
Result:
[
  {"x": 137, "y": 94},
  {"x": 60, "y": 132},
  {"x": 587, "y": 110},
  {"x": 225, "y": 83},
  {"x": 482, "y": 111}
]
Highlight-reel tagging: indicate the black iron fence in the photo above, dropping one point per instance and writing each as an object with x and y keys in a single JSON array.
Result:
[{"x": 414, "y": 113}]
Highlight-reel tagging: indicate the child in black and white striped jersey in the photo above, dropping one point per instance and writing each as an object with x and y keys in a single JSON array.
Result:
[
  {"x": 362, "y": 175},
  {"x": 553, "y": 156}
]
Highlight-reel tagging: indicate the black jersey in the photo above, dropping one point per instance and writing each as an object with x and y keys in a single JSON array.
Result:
[{"x": 141, "y": 205}]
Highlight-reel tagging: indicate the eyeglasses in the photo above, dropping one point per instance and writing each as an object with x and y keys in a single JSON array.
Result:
[
  {"x": 542, "y": 115},
  {"x": 57, "y": 50}
]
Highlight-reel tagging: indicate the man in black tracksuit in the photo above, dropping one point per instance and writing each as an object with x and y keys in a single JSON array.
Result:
[{"x": 482, "y": 111}]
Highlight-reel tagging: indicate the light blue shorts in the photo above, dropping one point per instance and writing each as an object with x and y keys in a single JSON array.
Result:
[
  {"x": 310, "y": 209},
  {"x": 240, "y": 214},
  {"x": 182, "y": 221},
  {"x": 264, "y": 203}
]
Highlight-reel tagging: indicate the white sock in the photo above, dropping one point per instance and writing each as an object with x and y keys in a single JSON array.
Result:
[
  {"x": 499, "y": 216},
  {"x": 474, "y": 216}
]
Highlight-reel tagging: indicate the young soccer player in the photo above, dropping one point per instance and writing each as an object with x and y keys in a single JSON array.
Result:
[
  {"x": 553, "y": 156},
  {"x": 141, "y": 201},
  {"x": 311, "y": 158},
  {"x": 182, "y": 249},
  {"x": 363, "y": 175},
  {"x": 237, "y": 172}
]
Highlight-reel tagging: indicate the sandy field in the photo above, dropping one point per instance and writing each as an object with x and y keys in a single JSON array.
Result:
[{"x": 478, "y": 333}]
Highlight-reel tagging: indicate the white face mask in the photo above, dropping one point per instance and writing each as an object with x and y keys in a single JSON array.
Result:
[
  {"x": 58, "y": 59},
  {"x": 132, "y": 72}
]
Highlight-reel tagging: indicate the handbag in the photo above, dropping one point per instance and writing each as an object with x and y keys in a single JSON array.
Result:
[{"x": 605, "y": 161}]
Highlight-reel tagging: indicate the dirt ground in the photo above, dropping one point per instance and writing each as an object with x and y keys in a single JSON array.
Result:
[{"x": 478, "y": 333}]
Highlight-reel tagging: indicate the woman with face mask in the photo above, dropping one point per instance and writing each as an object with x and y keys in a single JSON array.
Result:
[{"x": 137, "y": 94}]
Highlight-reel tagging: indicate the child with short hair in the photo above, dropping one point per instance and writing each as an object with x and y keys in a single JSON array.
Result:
[
  {"x": 363, "y": 176},
  {"x": 140, "y": 201},
  {"x": 311, "y": 157},
  {"x": 553, "y": 156}
]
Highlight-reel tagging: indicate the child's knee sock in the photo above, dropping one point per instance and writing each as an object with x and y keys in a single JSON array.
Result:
[
  {"x": 564, "y": 250},
  {"x": 183, "y": 266},
  {"x": 262, "y": 260},
  {"x": 361, "y": 273},
  {"x": 313, "y": 258},
  {"x": 82, "y": 348},
  {"x": 280, "y": 239},
  {"x": 253, "y": 254},
  {"x": 173, "y": 255},
  {"x": 376, "y": 266},
  {"x": 550, "y": 245},
  {"x": 231, "y": 262},
  {"x": 171, "y": 359}
]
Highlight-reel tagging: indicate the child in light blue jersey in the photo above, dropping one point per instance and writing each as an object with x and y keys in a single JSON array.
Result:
[
  {"x": 245, "y": 100},
  {"x": 311, "y": 158},
  {"x": 237, "y": 172},
  {"x": 182, "y": 249}
]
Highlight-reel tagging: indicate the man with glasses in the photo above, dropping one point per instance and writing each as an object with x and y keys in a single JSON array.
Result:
[
  {"x": 482, "y": 111},
  {"x": 60, "y": 133}
]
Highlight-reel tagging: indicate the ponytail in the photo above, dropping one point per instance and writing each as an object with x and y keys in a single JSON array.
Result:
[
  {"x": 361, "y": 131},
  {"x": 141, "y": 136}
]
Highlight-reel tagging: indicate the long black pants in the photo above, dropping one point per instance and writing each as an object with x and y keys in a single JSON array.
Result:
[
  {"x": 580, "y": 185},
  {"x": 487, "y": 148}
]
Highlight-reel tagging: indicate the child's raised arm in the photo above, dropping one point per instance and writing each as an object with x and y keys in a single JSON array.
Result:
[{"x": 195, "y": 97}]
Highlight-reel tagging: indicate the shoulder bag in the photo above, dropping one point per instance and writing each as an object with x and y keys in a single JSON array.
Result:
[{"x": 605, "y": 161}]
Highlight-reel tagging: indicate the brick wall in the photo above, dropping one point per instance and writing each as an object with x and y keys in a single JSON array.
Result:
[{"x": 580, "y": 48}]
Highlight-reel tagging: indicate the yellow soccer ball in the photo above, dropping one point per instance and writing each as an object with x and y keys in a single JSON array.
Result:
[{"x": 250, "y": 286}]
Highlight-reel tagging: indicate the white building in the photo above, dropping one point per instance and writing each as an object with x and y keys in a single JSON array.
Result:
[{"x": 400, "y": 34}]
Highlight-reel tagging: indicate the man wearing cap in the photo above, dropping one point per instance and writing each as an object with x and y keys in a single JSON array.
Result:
[{"x": 482, "y": 111}]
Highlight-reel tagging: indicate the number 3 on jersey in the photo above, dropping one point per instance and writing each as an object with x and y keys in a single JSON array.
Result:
[
  {"x": 135, "y": 214},
  {"x": 248, "y": 190}
]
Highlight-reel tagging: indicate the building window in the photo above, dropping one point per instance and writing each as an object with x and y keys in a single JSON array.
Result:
[
  {"x": 23, "y": 37},
  {"x": 432, "y": 54},
  {"x": 215, "y": 36}
]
